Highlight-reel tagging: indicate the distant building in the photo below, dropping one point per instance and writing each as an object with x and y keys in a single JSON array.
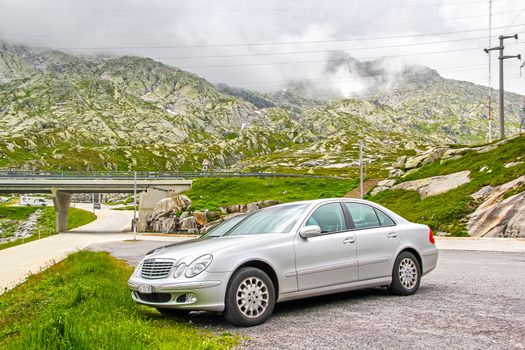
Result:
[{"x": 206, "y": 164}]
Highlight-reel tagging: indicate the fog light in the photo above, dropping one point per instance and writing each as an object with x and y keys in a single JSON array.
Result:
[{"x": 191, "y": 298}]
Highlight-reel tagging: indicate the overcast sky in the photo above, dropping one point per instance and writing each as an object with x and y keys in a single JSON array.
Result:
[{"x": 261, "y": 44}]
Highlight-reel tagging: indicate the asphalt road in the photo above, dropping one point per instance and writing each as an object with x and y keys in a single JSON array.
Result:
[{"x": 472, "y": 300}]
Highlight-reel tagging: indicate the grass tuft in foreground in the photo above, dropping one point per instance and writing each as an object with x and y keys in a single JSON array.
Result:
[{"x": 83, "y": 303}]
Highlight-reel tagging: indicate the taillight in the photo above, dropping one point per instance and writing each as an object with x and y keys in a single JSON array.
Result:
[{"x": 431, "y": 237}]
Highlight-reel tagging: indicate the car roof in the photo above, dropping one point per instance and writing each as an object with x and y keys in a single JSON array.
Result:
[{"x": 326, "y": 200}]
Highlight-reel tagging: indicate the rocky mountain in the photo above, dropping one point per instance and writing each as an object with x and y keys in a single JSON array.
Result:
[{"x": 59, "y": 111}]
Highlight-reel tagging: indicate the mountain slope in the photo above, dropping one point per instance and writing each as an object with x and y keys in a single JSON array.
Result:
[{"x": 59, "y": 111}]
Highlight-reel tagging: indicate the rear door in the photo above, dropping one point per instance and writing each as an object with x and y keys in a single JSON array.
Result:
[
  {"x": 377, "y": 239},
  {"x": 330, "y": 258}
]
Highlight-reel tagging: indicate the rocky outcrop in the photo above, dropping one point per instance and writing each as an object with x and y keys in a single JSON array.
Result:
[
  {"x": 171, "y": 215},
  {"x": 24, "y": 229},
  {"x": 429, "y": 186},
  {"x": 247, "y": 208},
  {"x": 383, "y": 185},
  {"x": 434, "y": 185},
  {"x": 498, "y": 216},
  {"x": 441, "y": 154}
]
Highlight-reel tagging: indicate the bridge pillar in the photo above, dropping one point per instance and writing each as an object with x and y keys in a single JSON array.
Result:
[{"x": 61, "y": 201}]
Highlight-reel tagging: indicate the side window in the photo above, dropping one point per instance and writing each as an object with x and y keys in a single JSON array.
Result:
[
  {"x": 329, "y": 218},
  {"x": 364, "y": 216},
  {"x": 384, "y": 219}
]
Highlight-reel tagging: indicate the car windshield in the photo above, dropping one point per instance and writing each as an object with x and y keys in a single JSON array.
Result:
[
  {"x": 279, "y": 219},
  {"x": 225, "y": 226}
]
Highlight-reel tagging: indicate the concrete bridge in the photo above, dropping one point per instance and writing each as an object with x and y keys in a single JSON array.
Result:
[{"x": 150, "y": 186}]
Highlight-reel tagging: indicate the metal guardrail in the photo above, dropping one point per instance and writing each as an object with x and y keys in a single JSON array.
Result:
[{"x": 142, "y": 175}]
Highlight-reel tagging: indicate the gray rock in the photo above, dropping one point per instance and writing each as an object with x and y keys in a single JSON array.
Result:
[
  {"x": 400, "y": 162},
  {"x": 251, "y": 207},
  {"x": 483, "y": 192},
  {"x": 498, "y": 217},
  {"x": 395, "y": 173},
  {"x": 414, "y": 162},
  {"x": 434, "y": 185},
  {"x": 188, "y": 224},
  {"x": 511, "y": 164}
]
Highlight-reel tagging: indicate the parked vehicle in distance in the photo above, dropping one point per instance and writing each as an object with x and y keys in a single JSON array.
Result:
[
  {"x": 32, "y": 201},
  {"x": 285, "y": 252},
  {"x": 96, "y": 206}
]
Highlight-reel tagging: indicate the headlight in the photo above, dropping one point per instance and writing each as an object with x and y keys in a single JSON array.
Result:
[
  {"x": 179, "y": 270},
  {"x": 136, "y": 271},
  {"x": 198, "y": 265}
]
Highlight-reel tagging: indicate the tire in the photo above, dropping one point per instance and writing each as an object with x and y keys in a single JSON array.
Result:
[
  {"x": 253, "y": 307},
  {"x": 173, "y": 312},
  {"x": 406, "y": 275}
]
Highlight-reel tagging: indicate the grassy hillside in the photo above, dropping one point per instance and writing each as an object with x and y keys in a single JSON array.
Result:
[
  {"x": 10, "y": 217},
  {"x": 83, "y": 303},
  {"x": 447, "y": 212},
  {"x": 214, "y": 193}
]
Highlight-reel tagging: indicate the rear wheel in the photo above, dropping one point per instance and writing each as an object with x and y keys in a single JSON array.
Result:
[
  {"x": 173, "y": 312},
  {"x": 250, "y": 297},
  {"x": 406, "y": 275}
]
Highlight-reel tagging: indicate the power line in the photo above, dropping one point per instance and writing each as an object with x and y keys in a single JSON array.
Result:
[
  {"x": 321, "y": 51},
  {"x": 281, "y": 42},
  {"x": 328, "y": 80},
  {"x": 219, "y": 10},
  {"x": 324, "y": 60},
  {"x": 262, "y": 31},
  {"x": 514, "y": 20},
  {"x": 440, "y": 70}
]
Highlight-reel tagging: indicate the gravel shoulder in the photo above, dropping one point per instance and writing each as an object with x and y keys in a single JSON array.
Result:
[{"x": 472, "y": 300}]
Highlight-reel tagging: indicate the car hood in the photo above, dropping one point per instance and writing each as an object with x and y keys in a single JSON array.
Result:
[{"x": 188, "y": 250}]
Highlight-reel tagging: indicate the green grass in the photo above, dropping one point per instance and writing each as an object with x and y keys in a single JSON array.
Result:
[
  {"x": 78, "y": 217},
  {"x": 46, "y": 222},
  {"x": 214, "y": 193},
  {"x": 447, "y": 212},
  {"x": 83, "y": 303},
  {"x": 126, "y": 207}
]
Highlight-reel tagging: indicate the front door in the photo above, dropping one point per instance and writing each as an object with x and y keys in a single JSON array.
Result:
[{"x": 330, "y": 258}]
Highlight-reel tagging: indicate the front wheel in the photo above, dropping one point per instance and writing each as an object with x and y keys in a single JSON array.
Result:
[
  {"x": 250, "y": 297},
  {"x": 406, "y": 275}
]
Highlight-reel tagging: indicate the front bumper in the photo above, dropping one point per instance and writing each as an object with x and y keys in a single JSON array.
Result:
[{"x": 204, "y": 292}]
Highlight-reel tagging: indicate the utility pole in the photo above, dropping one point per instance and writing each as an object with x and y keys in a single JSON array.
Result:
[
  {"x": 135, "y": 206},
  {"x": 489, "y": 136},
  {"x": 361, "y": 189},
  {"x": 502, "y": 57}
]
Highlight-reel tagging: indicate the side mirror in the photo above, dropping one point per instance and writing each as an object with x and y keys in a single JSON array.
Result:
[{"x": 310, "y": 231}]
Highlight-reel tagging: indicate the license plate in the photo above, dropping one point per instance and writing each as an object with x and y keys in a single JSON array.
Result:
[{"x": 146, "y": 289}]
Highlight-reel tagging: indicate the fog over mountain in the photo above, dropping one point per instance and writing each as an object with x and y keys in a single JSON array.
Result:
[{"x": 263, "y": 46}]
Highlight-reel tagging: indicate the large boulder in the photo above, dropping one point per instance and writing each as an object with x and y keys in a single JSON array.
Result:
[
  {"x": 383, "y": 185},
  {"x": 414, "y": 162},
  {"x": 434, "y": 185},
  {"x": 200, "y": 218},
  {"x": 169, "y": 205},
  {"x": 498, "y": 216},
  {"x": 189, "y": 225}
]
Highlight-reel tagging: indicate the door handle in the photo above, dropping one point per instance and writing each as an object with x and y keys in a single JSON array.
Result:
[
  {"x": 349, "y": 240},
  {"x": 392, "y": 235}
]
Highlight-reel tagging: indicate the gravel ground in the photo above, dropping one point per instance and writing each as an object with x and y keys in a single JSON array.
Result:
[{"x": 473, "y": 300}]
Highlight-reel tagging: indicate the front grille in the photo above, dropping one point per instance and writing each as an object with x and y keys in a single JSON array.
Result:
[
  {"x": 154, "y": 297},
  {"x": 155, "y": 269}
]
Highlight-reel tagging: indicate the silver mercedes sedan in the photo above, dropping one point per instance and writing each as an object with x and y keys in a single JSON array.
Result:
[{"x": 289, "y": 251}]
